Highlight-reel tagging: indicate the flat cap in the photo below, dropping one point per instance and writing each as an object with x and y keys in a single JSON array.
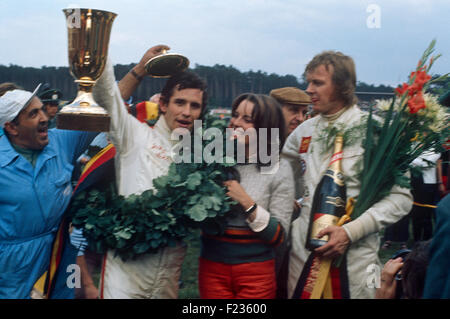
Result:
[
  {"x": 49, "y": 95},
  {"x": 291, "y": 95}
]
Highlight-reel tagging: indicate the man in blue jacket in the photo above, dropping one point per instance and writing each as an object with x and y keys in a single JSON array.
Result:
[
  {"x": 437, "y": 280},
  {"x": 35, "y": 189}
]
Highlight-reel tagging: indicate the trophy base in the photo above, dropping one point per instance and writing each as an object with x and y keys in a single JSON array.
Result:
[{"x": 83, "y": 122}]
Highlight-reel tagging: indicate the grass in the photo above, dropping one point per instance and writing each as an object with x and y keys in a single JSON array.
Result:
[{"x": 189, "y": 271}]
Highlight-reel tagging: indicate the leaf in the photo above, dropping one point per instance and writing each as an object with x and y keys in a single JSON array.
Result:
[
  {"x": 216, "y": 202},
  {"x": 193, "y": 199},
  {"x": 197, "y": 212},
  {"x": 194, "y": 180},
  {"x": 161, "y": 182},
  {"x": 187, "y": 194},
  {"x": 125, "y": 234},
  {"x": 141, "y": 247}
]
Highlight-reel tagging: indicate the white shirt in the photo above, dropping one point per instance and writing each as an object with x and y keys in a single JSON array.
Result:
[{"x": 428, "y": 160}]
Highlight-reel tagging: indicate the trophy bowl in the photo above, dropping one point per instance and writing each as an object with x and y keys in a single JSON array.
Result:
[
  {"x": 89, "y": 31},
  {"x": 166, "y": 65}
]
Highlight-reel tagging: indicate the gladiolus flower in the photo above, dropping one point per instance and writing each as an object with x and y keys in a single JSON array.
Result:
[
  {"x": 421, "y": 77},
  {"x": 416, "y": 103},
  {"x": 401, "y": 90}
]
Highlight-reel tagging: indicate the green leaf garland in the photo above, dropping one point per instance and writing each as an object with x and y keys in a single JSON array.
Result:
[{"x": 190, "y": 196}]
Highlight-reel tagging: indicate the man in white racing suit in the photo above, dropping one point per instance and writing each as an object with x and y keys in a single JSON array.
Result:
[
  {"x": 331, "y": 80},
  {"x": 143, "y": 153}
]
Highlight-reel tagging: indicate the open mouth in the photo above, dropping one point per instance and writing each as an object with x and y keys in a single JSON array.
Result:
[
  {"x": 184, "y": 123},
  {"x": 43, "y": 131},
  {"x": 237, "y": 132}
]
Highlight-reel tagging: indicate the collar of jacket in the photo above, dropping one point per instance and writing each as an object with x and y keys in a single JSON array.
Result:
[
  {"x": 163, "y": 129},
  {"x": 9, "y": 154},
  {"x": 333, "y": 117}
]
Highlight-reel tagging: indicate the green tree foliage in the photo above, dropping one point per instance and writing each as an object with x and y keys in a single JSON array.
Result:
[{"x": 224, "y": 82}]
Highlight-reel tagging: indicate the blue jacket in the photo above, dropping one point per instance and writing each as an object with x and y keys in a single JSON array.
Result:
[
  {"x": 437, "y": 280},
  {"x": 32, "y": 202}
]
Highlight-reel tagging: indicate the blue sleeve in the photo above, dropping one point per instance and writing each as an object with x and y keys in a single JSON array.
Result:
[
  {"x": 437, "y": 280},
  {"x": 74, "y": 143}
]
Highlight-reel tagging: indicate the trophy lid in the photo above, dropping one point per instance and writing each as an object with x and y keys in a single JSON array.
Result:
[{"x": 166, "y": 65}]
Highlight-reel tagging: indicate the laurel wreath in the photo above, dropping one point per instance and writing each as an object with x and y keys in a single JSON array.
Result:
[{"x": 189, "y": 197}]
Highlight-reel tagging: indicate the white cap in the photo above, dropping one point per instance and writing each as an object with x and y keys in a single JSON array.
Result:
[{"x": 12, "y": 102}]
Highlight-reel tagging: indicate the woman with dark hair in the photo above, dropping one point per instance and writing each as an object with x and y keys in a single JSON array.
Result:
[{"x": 239, "y": 262}]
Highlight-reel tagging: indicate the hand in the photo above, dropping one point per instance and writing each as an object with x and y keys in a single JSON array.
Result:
[
  {"x": 84, "y": 160},
  {"x": 337, "y": 243},
  {"x": 442, "y": 189},
  {"x": 388, "y": 284},
  {"x": 90, "y": 292},
  {"x": 238, "y": 193},
  {"x": 297, "y": 206},
  {"x": 151, "y": 53}
]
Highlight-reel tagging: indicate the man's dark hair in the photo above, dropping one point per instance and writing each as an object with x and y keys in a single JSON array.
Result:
[
  {"x": 181, "y": 81},
  {"x": 414, "y": 270},
  {"x": 8, "y": 86}
]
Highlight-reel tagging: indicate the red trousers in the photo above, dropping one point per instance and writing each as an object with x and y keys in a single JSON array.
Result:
[{"x": 254, "y": 280}]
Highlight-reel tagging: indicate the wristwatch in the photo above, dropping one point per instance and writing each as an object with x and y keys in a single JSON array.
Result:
[{"x": 251, "y": 209}]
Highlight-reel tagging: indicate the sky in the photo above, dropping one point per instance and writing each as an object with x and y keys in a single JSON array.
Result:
[{"x": 385, "y": 38}]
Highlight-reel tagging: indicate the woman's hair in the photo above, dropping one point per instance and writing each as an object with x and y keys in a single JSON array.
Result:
[
  {"x": 266, "y": 114},
  {"x": 343, "y": 77}
]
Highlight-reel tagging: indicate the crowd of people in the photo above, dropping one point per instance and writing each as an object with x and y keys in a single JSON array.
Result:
[{"x": 261, "y": 253}]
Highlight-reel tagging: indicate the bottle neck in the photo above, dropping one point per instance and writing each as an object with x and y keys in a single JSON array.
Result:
[{"x": 336, "y": 159}]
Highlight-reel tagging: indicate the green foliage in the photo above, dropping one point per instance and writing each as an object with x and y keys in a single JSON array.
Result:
[
  {"x": 390, "y": 147},
  {"x": 350, "y": 133},
  {"x": 224, "y": 82},
  {"x": 189, "y": 197}
]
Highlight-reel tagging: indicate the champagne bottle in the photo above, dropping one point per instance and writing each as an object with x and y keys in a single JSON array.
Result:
[{"x": 329, "y": 199}]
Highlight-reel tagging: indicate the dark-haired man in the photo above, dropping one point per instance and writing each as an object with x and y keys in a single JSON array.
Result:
[
  {"x": 331, "y": 80},
  {"x": 35, "y": 188},
  {"x": 143, "y": 154}
]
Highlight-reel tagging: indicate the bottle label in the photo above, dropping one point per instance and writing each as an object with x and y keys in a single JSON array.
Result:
[
  {"x": 336, "y": 157},
  {"x": 320, "y": 222},
  {"x": 335, "y": 201},
  {"x": 337, "y": 177}
]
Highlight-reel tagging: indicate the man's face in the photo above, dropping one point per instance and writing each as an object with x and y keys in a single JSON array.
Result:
[
  {"x": 31, "y": 130},
  {"x": 294, "y": 115},
  {"x": 321, "y": 89},
  {"x": 51, "y": 109},
  {"x": 183, "y": 108}
]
